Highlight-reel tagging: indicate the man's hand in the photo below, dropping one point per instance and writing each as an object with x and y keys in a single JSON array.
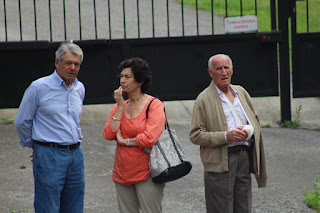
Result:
[{"x": 237, "y": 135}]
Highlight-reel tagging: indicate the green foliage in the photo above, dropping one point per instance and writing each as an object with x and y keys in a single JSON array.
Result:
[
  {"x": 20, "y": 211},
  {"x": 313, "y": 198},
  {"x": 263, "y": 11},
  {"x": 313, "y": 12},
  {"x": 296, "y": 123},
  {"x": 7, "y": 120},
  {"x": 234, "y": 9},
  {"x": 266, "y": 126}
]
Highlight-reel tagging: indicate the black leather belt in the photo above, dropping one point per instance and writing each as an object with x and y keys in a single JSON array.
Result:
[
  {"x": 56, "y": 145},
  {"x": 238, "y": 149}
]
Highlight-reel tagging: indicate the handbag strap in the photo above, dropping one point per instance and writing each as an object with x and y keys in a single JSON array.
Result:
[
  {"x": 170, "y": 134},
  {"x": 164, "y": 109}
]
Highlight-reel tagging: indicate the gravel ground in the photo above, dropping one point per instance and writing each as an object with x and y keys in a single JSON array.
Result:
[{"x": 292, "y": 162}]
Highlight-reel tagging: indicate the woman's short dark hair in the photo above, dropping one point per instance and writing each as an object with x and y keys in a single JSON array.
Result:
[{"x": 141, "y": 71}]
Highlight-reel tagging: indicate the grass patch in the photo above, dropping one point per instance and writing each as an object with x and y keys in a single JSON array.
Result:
[
  {"x": 20, "y": 211},
  {"x": 263, "y": 11},
  {"x": 313, "y": 198},
  {"x": 314, "y": 24},
  {"x": 296, "y": 122},
  {"x": 7, "y": 120},
  {"x": 266, "y": 126}
]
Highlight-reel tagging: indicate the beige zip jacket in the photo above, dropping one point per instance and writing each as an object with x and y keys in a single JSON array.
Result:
[{"x": 208, "y": 127}]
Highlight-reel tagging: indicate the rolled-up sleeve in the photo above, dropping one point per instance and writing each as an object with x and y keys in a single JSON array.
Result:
[{"x": 25, "y": 116}]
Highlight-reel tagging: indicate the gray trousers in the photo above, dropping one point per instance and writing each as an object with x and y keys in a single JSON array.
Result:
[
  {"x": 230, "y": 192},
  {"x": 144, "y": 197}
]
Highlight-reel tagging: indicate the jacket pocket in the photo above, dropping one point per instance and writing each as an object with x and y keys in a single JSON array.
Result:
[{"x": 210, "y": 155}]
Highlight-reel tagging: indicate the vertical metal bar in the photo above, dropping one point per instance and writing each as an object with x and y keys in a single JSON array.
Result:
[
  {"x": 256, "y": 7},
  {"x": 95, "y": 18},
  {"x": 80, "y": 24},
  {"x": 152, "y": 17},
  {"x": 293, "y": 40},
  {"x": 50, "y": 20},
  {"x": 241, "y": 8},
  {"x": 182, "y": 17},
  {"x": 109, "y": 14},
  {"x": 273, "y": 15},
  {"x": 307, "y": 15},
  {"x": 212, "y": 18},
  {"x": 138, "y": 18},
  {"x": 168, "y": 18},
  {"x": 35, "y": 19},
  {"x": 226, "y": 5},
  {"x": 64, "y": 20},
  {"x": 197, "y": 16},
  {"x": 124, "y": 19},
  {"x": 20, "y": 22},
  {"x": 5, "y": 19},
  {"x": 285, "y": 94}
]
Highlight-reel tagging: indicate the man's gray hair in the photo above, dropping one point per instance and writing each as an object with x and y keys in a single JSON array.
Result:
[
  {"x": 213, "y": 57},
  {"x": 69, "y": 47}
]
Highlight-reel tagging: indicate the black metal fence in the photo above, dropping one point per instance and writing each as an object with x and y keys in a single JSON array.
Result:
[
  {"x": 58, "y": 20},
  {"x": 176, "y": 39},
  {"x": 305, "y": 40}
]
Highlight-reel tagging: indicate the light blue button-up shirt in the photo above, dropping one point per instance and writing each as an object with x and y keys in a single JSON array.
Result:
[{"x": 50, "y": 112}]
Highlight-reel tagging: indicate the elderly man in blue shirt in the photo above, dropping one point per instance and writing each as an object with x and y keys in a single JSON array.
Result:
[{"x": 48, "y": 121}]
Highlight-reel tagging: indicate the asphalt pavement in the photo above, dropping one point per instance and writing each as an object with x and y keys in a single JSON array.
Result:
[{"x": 292, "y": 162}]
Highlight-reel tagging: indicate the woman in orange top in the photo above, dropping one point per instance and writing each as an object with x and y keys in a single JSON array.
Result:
[{"x": 127, "y": 124}]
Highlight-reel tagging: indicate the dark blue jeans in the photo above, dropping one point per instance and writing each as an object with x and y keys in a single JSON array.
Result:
[{"x": 59, "y": 179}]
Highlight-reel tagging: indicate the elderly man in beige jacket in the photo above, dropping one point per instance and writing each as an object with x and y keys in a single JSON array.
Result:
[{"x": 229, "y": 152}]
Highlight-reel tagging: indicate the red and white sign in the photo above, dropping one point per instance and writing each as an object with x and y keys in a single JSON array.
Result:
[{"x": 240, "y": 24}]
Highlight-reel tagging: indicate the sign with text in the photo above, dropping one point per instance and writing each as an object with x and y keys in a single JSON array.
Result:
[{"x": 240, "y": 24}]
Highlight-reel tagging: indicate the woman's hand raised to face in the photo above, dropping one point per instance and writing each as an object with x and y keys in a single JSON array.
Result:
[{"x": 117, "y": 95}]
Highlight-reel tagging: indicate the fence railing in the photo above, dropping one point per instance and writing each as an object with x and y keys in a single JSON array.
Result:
[{"x": 57, "y": 20}]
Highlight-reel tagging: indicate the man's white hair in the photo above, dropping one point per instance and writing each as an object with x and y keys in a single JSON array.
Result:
[{"x": 213, "y": 57}]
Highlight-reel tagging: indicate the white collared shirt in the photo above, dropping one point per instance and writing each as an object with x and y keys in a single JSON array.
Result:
[{"x": 231, "y": 120}]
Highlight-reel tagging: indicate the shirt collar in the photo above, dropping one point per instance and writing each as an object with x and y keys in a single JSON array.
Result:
[{"x": 232, "y": 90}]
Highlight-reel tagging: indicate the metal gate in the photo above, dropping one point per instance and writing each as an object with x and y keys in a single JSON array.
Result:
[
  {"x": 305, "y": 49},
  {"x": 175, "y": 39}
]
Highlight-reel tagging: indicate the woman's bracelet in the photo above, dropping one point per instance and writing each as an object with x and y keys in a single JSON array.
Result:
[
  {"x": 127, "y": 141},
  {"x": 116, "y": 119}
]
